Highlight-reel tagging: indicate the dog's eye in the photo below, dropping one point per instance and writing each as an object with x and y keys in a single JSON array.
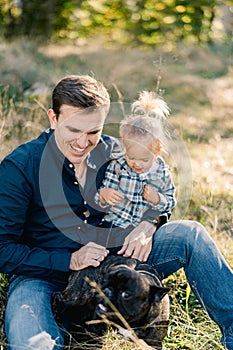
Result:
[{"x": 125, "y": 294}]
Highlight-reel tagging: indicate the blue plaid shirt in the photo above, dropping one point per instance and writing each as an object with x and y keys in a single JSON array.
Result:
[{"x": 130, "y": 210}]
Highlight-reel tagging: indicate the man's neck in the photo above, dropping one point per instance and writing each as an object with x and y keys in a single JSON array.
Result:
[{"x": 80, "y": 172}]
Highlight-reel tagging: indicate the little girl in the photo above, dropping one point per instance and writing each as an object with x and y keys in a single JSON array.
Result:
[{"x": 138, "y": 186}]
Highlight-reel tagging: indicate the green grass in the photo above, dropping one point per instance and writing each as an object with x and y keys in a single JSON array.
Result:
[{"x": 200, "y": 94}]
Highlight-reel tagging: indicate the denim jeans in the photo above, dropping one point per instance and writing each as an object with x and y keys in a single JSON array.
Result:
[
  {"x": 183, "y": 244},
  {"x": 29, "y": 312}
]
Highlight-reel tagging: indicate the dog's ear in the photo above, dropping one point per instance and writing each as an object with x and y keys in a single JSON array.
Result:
[
  {"x": 159, "y": 309},
  {"x": 116, "y": 260},
  {"x": 58, "y": 306},
  {"x": 116, "y": 274},
  {"x": 157, "y": 293},
  {"x": 120, "y": 271}
]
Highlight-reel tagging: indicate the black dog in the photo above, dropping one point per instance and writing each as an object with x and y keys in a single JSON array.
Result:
[{"x": 133, "y": 288}]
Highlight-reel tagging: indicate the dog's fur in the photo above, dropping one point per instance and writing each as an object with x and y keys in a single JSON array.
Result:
[{"x": 135, "y": 290}]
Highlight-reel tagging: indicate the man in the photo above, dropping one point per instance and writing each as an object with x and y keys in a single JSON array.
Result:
[{"x": 48, "y": 220}]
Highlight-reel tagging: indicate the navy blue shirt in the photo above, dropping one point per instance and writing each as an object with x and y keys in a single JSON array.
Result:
[{"x": 43, "y": 209}]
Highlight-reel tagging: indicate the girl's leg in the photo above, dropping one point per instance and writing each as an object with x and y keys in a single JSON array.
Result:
[
  {"x": 29, "y": 313},
  {"x": 187, "y": 244}
]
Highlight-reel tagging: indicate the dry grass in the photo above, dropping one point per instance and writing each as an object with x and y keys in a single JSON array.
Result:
[{"x": 197, "y": 84}]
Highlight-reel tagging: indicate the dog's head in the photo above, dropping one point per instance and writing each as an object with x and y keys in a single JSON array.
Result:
[{"x": 136, "y": 294}]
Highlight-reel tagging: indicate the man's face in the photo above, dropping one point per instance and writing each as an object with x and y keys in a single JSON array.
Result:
[{"x": 77, "y": 131}]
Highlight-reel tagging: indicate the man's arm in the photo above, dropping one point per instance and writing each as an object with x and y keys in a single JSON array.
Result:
[{"x": 17, "y": 256}]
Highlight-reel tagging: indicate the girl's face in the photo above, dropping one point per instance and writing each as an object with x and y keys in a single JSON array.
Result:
[{"x": 139, "y": 155}]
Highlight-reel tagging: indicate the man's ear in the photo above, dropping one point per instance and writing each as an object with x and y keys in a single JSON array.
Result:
[{"x": 52, "y": 118}]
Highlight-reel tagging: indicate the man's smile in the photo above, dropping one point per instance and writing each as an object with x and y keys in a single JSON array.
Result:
[{"x": 77, "y": 149}]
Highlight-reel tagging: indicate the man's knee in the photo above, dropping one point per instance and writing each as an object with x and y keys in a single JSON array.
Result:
[{"x": 186, "y": 229}]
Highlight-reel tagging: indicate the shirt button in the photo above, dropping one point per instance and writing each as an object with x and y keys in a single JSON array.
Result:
[
  {"x": 85, "y": 221},
  {"x": 75, "y": 182},
  {"x": 71, "y": 165},
  {"x": 79, "y": 228},
  {"x": 85, "y": 202}
]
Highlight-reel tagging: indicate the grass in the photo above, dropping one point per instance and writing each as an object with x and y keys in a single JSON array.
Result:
[{"x": 200, "y": 94}]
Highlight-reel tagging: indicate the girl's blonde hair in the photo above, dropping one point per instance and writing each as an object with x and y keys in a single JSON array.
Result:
[{"x": 147, "y": 116}]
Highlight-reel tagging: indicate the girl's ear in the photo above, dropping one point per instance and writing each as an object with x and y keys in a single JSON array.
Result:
[{"x": 52, "y": 118}]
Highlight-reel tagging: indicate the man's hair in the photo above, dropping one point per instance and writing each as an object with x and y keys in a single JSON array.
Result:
[{"x": 80, "y": 91}]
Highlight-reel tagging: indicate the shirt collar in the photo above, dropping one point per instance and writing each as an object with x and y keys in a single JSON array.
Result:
[{"x": 98, "y": 155}]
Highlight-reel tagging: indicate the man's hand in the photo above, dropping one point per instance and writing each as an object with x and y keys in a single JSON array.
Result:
[
  {"x": 150, "y": 194},
  {"x": 110, "y": 196},
  {"x": 138, "y": 243},
  {"x": 89, "y": 255}
]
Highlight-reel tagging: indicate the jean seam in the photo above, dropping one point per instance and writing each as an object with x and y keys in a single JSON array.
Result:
[
  {"x": 203, "y": 305},
  {"x": 170, "y": 260}
]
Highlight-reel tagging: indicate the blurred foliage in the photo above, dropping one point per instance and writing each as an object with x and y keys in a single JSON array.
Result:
[{"x": 146, "y": 22}]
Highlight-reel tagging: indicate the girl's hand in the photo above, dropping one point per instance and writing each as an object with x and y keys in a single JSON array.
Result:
[
  {"x": 110, "y": 196},
  {"x": 150, "y": 194}
]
